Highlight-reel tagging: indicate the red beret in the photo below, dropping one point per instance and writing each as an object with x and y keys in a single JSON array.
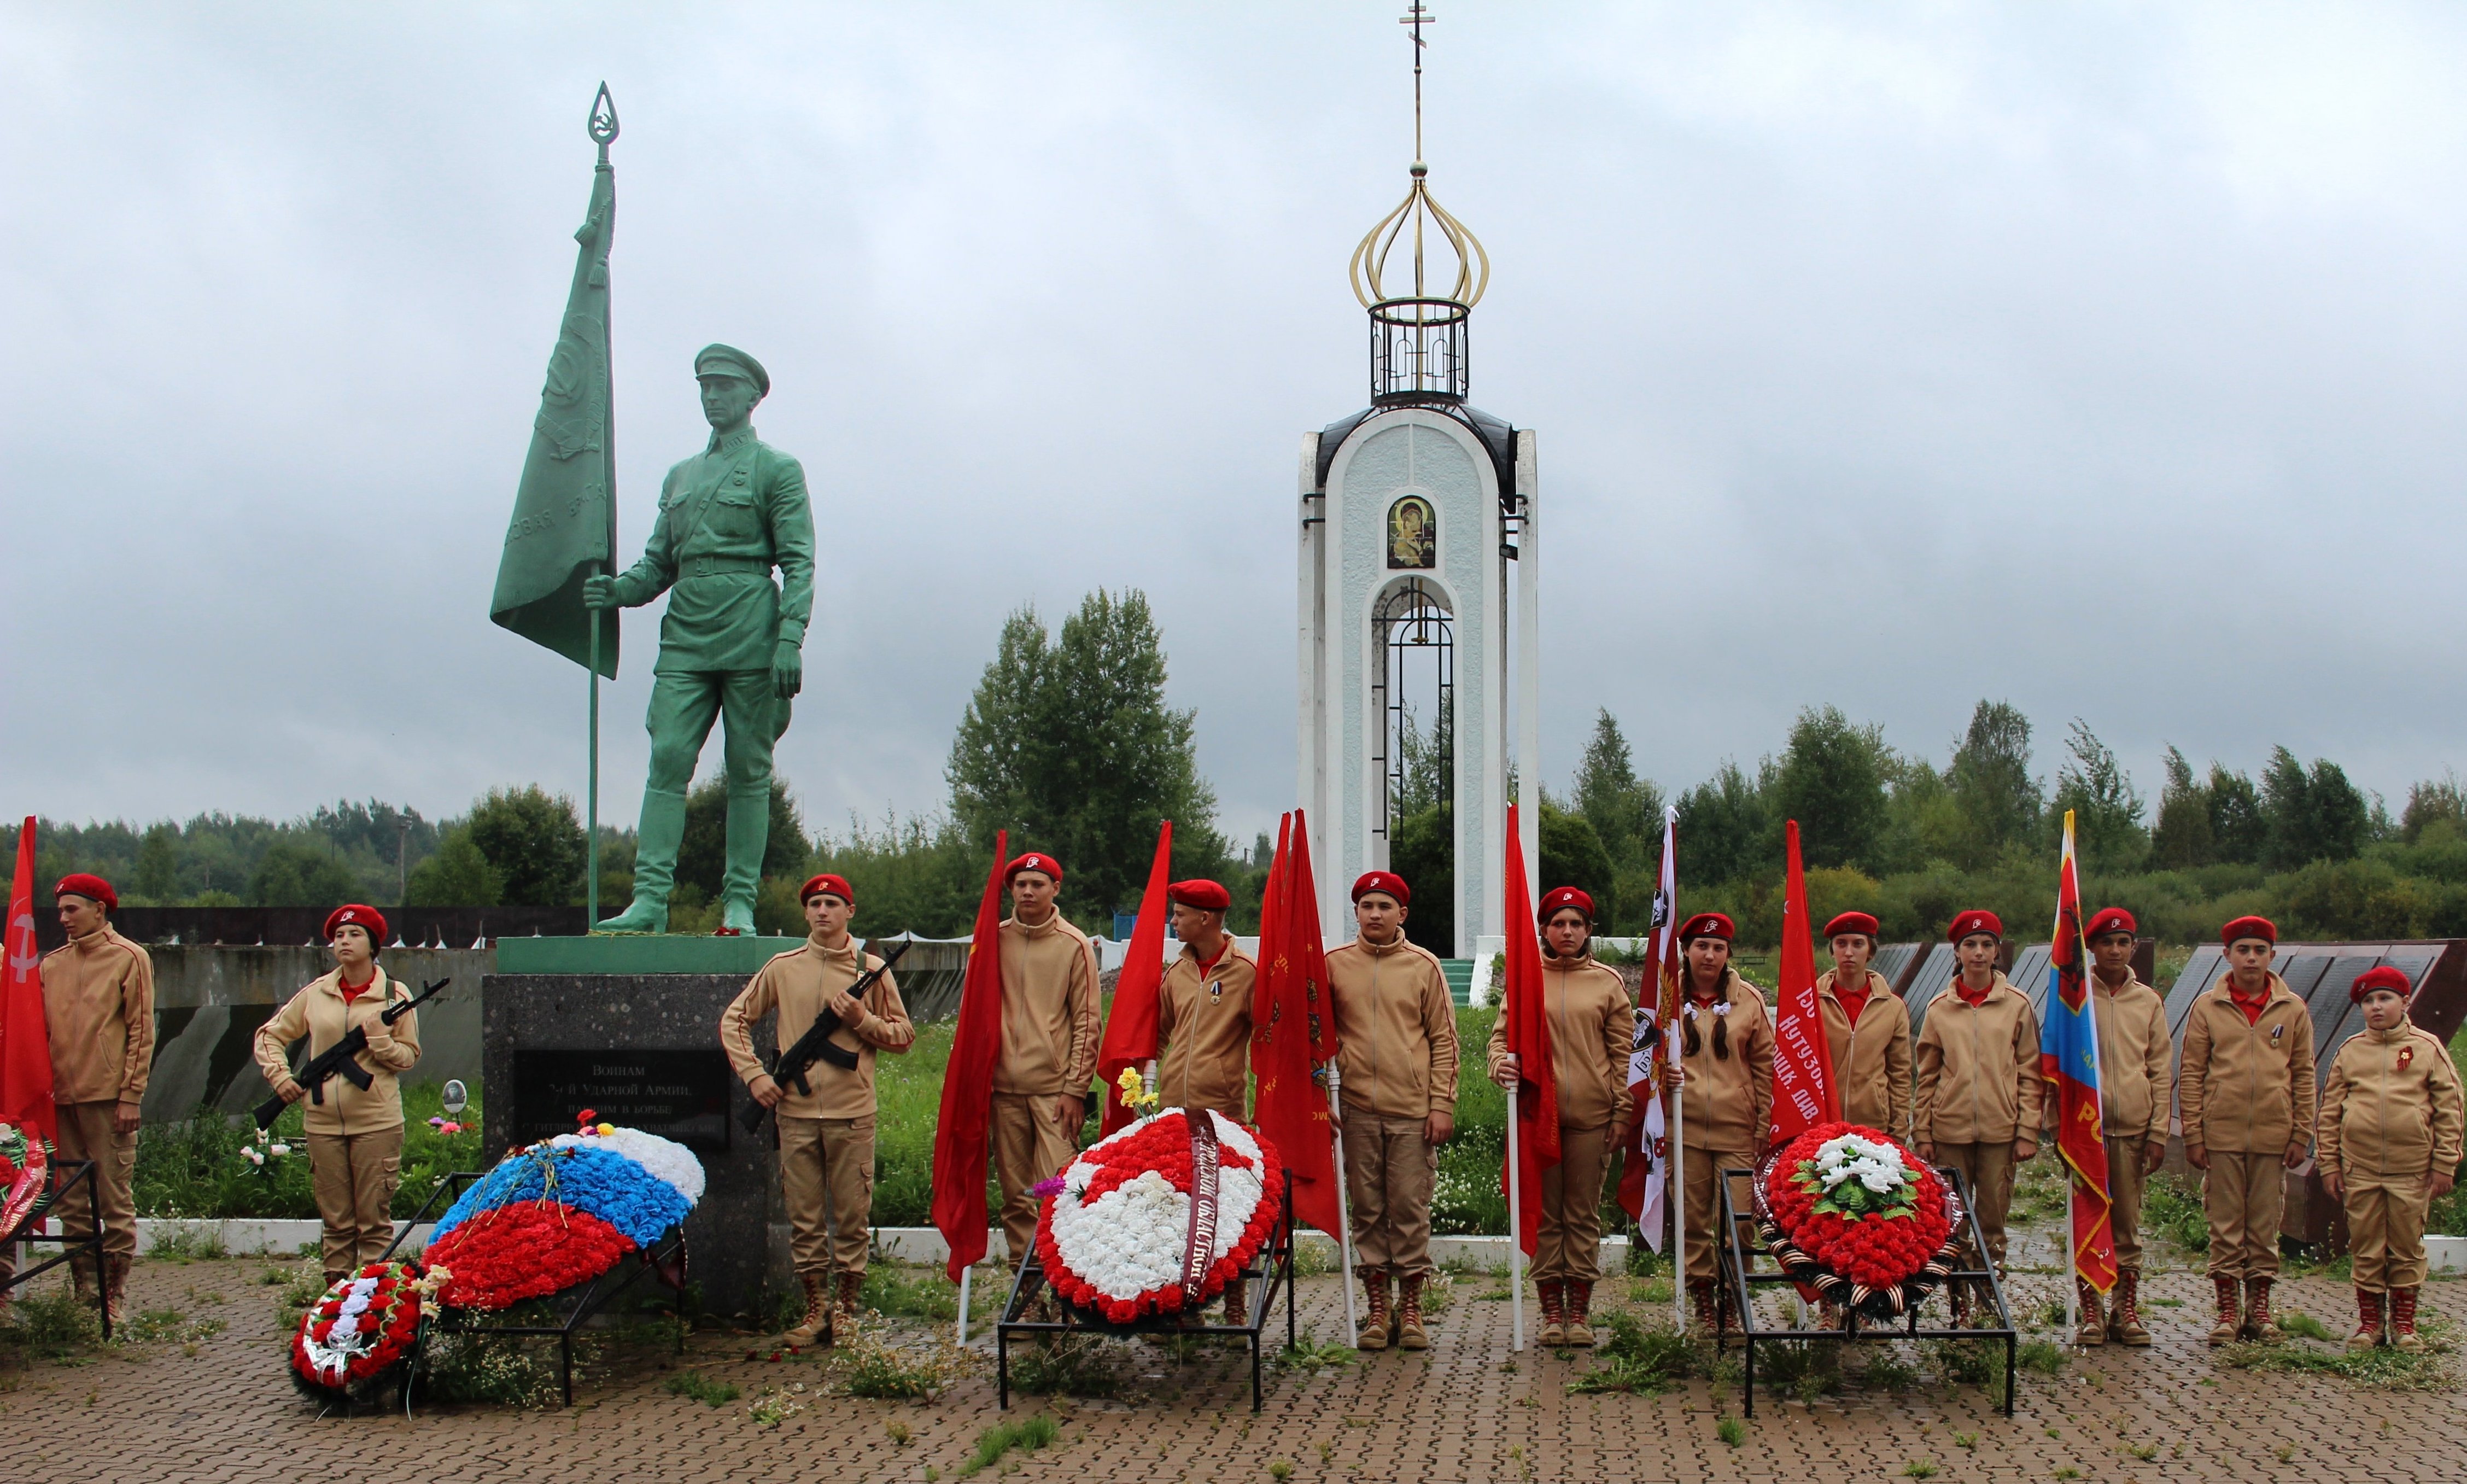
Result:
[
  {"x": 1388, "y": 882},
  {"x": 84, "y": 885},
  {"x": 2260, "y": 927},
  {"x": 1708, "y": 925},
  {"x": 827, "y": 883},
  {"x": 1969, "y": 922},
  {"x": 2380, "y": 977},
  {"x": 354, "y": 914},
  {"x": 1207, "y": 896},
  {"x": 1558, "y": 896},
  {"x": 1033, "y": 862},
  {"x": 2111, "y": 920},
  {"x": 1851, "y": 923}
]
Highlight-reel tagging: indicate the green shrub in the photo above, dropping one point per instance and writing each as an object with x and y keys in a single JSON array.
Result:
[{"x": 192, "y": 1167}]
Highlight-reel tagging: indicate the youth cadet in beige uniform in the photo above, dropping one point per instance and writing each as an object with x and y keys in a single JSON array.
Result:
[
  {"x": 1869, "y": 1030},
  {"x": 825, "y": 1134},
  {"x": 2135, "y": 1057},
  {"x": 1725, "y": 1084},
  {"x": 1977, "y": 1091},
  {"x": 2389, "y": 1147},
  {"x": 354, "y": 1135},
  {"x": 98, "y": 1014},
  {"x": 2247, "y": 1091},
  {"x": 1396, "y": 1067},
  {"x": 1593, "y": 1026},
  {"x": 1204, "y": 1023},
  {"x": 1049, "y": 1045}
]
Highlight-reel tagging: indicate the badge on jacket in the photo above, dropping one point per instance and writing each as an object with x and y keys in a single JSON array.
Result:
[
  {"x": 2275, "y": 1031},
  {"x": 1216, "y": 991},
  {"x": 2406, "y": 1053}
]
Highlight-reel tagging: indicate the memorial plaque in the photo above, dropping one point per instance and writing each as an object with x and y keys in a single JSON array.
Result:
[{"x": 679, "y": 1094}]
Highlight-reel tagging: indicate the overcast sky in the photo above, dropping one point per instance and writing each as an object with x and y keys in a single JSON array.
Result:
[{"x": 2104, "y": 358}]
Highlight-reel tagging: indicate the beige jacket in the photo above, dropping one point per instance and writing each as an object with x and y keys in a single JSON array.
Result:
[
  {"x": 1977, "y": 1069},
  {"x": 1592, "y": 1029},
  {"x": 1204, "y": 1025},
  {"x": 1396, "y": 1030},
  {"x": 318, "y": 1012},
  {"x": 99, "y": 1012},
  {"x": 2246, "y": 1087},
  {"x": 1871, "y": 1061},
  {"x": 2391, "y": 1109},
  {"x": 1725, "y": 1103},
  {"x": 2136, "y": 1055},
  {"x": 800, "y": 984},
  {"x": 1049, "y": 1027}
]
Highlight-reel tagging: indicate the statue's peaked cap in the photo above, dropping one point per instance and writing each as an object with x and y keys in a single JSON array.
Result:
[{"x": 727, "y": 360}]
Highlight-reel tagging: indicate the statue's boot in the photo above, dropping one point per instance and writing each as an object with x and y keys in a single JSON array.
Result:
[
  {"x": 749, "y": 830},
  {"x": 662, "y": 828}
]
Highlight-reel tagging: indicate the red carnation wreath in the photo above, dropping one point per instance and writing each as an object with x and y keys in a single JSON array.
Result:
[
  {"x": 356, "y": 1341},
  {"x": 1115, "y": 1235},
  {"x": 1855, "y": 1215},
  {"x": 528, "y": 1249},
  {"x": 25, "y": 1176}
]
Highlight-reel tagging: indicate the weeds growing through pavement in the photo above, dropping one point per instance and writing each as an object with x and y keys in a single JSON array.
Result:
[
  {"x": 1731, "y": 1431},
  {"x": 710, "y": 1393},
  {"x": 47, "y": 1326},
  {"x": 1028, "y": 1435},
  {"x": 1077, "y": 1366},
  {"x": 1642, "y": 1361},
  {"x": 874, "y": 1369}
]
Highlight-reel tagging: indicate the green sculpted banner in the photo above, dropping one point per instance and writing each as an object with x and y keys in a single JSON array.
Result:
[{"x": 565, "y": 515}]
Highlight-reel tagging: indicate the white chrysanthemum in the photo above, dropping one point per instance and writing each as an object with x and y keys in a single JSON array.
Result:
[
  {"x": 666, "y": 1158},
  {"x": 1877, "y": 1166},
  {"x": 1130, "y": 1239}
]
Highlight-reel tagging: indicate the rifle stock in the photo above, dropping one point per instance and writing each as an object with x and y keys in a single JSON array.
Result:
[{"x": 341, "y": 1059}]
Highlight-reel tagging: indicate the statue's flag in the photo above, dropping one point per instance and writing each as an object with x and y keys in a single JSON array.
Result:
[
  {"x": 1644, "y": 1174},
  {"x": 1293, "y": 1025},
  {"x": 2068, "y": 1060},
  {"x": 1802, "y": 1058},
  {"x": 1130, "y": 1040},
  {"x": 1535, "y": 1143},
  {"x": 564, "y": 527},
  {"x": 960, "y": 1134},
  {"x": 25, "y": 1037}
]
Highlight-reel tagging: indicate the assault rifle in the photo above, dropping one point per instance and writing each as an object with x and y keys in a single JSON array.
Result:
[
  {"x": 341, "y": 1059},
  {"x": 815, "y": 1045}
]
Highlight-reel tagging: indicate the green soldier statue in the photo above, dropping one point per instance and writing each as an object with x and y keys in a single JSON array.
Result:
[{"x": 732, "y": 643}]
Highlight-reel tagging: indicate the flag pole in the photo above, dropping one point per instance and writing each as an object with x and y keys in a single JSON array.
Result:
[
  {"x": 1677, "y": 1178},
  {"x": 965, "y": 1274},
  {"x": 2072, "y": 1268},
  {"x": 1515, "y": 1229},
  {"x": 591, "y": 837},
  {"x": 1343, "y": 1206}
]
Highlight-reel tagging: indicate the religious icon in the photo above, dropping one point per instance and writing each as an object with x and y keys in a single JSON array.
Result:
[{"x": 1412, "y": 535}]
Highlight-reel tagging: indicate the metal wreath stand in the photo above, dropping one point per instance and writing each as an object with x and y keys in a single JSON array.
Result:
[
  {"x": 1742, "y": 1251},
  {"x": 664, "y": 1259},
  {"x": 81, "y": 1170},
  {"x": 1272, "y": 1267}
]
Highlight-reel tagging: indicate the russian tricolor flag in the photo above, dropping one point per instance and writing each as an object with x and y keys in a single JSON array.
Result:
[{"x": 2068, "y": 1060}]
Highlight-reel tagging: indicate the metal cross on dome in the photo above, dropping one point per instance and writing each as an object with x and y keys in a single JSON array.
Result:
[{"x": 1417, "y": 15}]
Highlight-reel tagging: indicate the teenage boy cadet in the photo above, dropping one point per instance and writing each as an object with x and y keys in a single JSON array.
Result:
[
  {"x": 2389, "y": 1147},
  {"x": 2246, "y": 1089},
  {"x": 1049, "y": 1043},
  {"x": 1204, "y": 1023},
  {"x": 1397, "y": 1081},
  {"x": 826, "y": 1135},
  {"x": 2134, "y": 1055},
  {"x": 1869, "y": 1030},
  {"x": 1978, "y": 1089},
  {"x": 99, "y": 1012}
]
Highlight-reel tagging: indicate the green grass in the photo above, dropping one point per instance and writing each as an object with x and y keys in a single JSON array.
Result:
[
  {"x": 1731, "y": 1431},
  {"x": 911, "y": 1292},
  {"x": 2171, "y": 1207},
  {"x": 2295, "y": 1321},
  {"x": 1640, "y": 1361},
  {"x": 49, "y": 1325},
  {"x": 2384, "y": 1367},
  {"x": 710, "y": 1393},
  {"x": 1919, "y": 1468},
  {"x": 875, "y": 1369},
  {"x": 1028, "y": 1435},
  {"x": 2044, "y": 1357},
  {"x": 192, "y": 1167},
  {"x": 1076, "y": 1365},
  {"x": 1309, "y": 1356}
]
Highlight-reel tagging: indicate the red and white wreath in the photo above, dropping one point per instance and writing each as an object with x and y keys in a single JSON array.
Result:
[
  {"x": 1117, "y": 1234},
  {"x": 351, "y": 1341}
]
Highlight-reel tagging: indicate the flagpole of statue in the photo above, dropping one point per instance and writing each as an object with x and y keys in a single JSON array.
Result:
[{"x": 563, "y": 533}]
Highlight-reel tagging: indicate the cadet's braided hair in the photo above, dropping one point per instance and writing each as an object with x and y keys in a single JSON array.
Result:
[{"x": 1720, "y": 1023}]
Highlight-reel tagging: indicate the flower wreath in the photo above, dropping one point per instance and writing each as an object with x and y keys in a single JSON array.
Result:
[
  {"x": 1853, "y": 1214},
  {"x": 1116, "y": 1227},
  {"x": 25, "y": 1177},
  {"x": 356, "y": 1341},
  {"x": 562, "y": 1212}
]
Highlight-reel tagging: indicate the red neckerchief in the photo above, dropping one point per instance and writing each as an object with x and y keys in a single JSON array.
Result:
[
  {"x": 1852, "y": 1004},
  {"x": 1961, "y": 987},
  {"x": 2252, "y": 1008},
  {"x": 352, "y": 991}
]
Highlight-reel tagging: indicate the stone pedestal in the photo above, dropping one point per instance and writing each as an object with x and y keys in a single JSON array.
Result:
[{"x": 566, "y": 1027}]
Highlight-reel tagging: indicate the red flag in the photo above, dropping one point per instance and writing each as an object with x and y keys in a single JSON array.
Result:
[
  {"x": 1287, "y": 1013},
  {"x": 1131, "y": 1026},
  {"x": 1802, "y": 1058},
  {"x": 25, "y": 1040},
  {"x": 959, "y": 1133},
  {"x": 1529, "y": 1040},
  {"x": 2069, "y": 1058}
]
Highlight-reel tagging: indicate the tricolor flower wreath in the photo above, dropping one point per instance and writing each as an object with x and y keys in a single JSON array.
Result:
[
  {"x": 25, "y": 1176},
  {"x": 1856, "y": 1215},
  {"x": 561, "y": 1212},
  {"x": 356, "y": 1341},
  {"x": 1116, "y": 1227}
]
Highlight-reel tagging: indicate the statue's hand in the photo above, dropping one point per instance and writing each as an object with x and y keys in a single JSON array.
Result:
[
  {"x": 787, "y": 670},
  {"x": 599, "y": 592}
]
